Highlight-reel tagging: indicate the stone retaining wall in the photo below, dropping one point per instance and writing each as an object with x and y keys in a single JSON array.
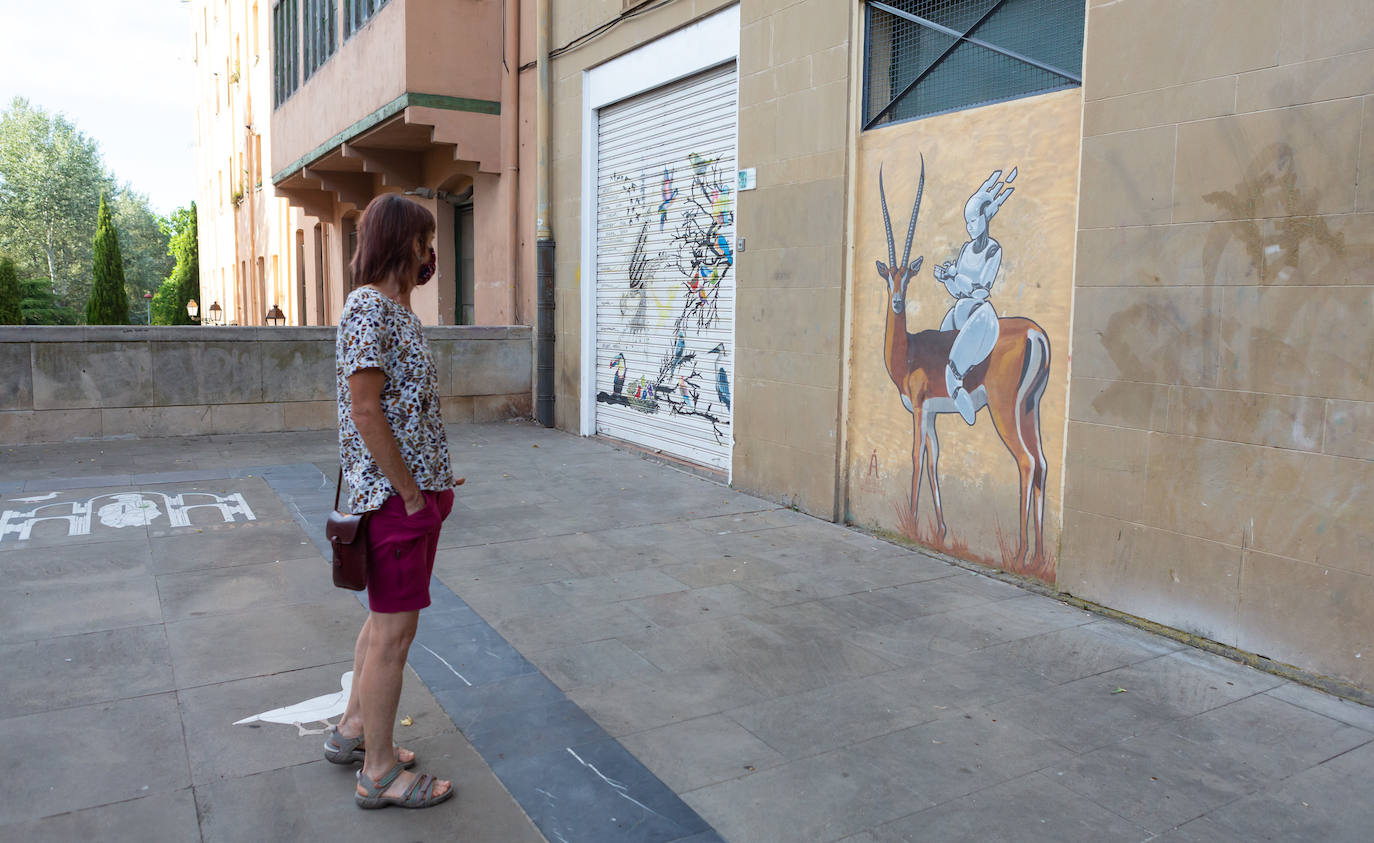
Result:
[{"x": 60, "y": 384}]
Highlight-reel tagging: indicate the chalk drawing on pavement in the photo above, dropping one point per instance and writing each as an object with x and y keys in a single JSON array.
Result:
[{"x": 122, "y": 509}]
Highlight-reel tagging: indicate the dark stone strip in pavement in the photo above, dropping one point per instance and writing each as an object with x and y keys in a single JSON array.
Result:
[{"x": 576, "y": 782}]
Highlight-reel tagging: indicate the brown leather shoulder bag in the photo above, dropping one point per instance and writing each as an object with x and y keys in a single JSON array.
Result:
[{"x": 347, "y": 534}]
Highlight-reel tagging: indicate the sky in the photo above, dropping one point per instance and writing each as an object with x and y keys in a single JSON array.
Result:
[{"x": 120, "y": 70}]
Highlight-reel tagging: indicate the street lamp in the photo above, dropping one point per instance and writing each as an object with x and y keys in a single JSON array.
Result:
[
  {"x": 275, "y": 317},
  {"x": 148, "y": 297},
  {"x": 193, "y": 310},
  {"x": 215, "y": 313}
]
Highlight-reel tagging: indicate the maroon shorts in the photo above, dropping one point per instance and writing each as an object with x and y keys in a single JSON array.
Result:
[{"x": 402, "y": 552}]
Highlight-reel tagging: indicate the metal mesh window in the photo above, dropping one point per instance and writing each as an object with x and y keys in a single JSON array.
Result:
[
  {"x": 321, "y": 33},
  {"x": 925, "y": 57}
]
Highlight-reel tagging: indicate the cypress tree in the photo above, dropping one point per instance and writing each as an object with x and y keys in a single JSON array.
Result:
[
  {"x": 109, "y": 304},
  {"x": 9, "y": 294}
]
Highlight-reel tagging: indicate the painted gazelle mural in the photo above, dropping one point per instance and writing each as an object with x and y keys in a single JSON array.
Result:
[{"x": 975, "y": 360}]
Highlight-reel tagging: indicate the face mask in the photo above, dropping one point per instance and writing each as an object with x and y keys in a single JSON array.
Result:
[{"x": 427, "y": 270}]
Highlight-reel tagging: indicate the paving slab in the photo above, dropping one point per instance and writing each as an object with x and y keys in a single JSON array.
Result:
[
  {"x": 70, "y": 759},
  {"x": 162, "y": 816},
  {"x": 1031, "y": 808},
  {"x": 616, "y": 651},
  {"x": 77, "y": 670}
]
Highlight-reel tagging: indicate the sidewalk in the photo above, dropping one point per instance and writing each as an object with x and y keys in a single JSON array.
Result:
[{"x": 629, "y": 653}]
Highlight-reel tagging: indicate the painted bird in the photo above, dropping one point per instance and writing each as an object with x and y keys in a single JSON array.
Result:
[
  {"x": 689, "y": 396},
  {"x": 679, "y": 349},
  {"x": 618, "y": 366},
  {"x": 722, "y": 379},
  {"x": 669, "y": 194}
]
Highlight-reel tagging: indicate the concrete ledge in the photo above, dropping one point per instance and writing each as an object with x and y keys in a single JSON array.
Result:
[
  {"x": 68, "y": 383},
  {"x": 203, "y": 333}
]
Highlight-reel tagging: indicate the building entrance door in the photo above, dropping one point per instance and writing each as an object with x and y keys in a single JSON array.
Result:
[{"x": 665, "y": 281}]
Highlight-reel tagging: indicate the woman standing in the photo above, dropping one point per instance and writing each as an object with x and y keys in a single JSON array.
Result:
[{"x": 395, "y": 457}]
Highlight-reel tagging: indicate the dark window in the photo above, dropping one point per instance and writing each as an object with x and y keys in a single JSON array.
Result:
[
  {"x": 925, "y": 57},
  {"x": 321, "y": 33},
  {"x": 286, "y": 52},
  {"x": 359, "y": 12}
]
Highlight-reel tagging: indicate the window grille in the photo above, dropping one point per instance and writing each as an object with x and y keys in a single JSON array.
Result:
[
  {"x": 359, "y": 12},
  {"x": 286, "y": 55},
  {"x": 321, "y": 33},
  {"x": 925, "y": 57}
]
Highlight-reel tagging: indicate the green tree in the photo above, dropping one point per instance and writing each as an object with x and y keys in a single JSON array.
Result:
[
  {"x": 143, "y": 242},
  {"x": 10, "y": 314},
  {"x": 51, "y": 180},
  {"x": 40, "y": 306},
  {"x": 169, "y": 303},
  {"x": 109, "y": 303}
]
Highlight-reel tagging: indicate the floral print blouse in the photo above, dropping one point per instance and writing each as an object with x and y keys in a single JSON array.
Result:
[{"x": 377, "y": 333}]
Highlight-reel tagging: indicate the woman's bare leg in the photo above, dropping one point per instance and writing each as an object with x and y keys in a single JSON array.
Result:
[{"x": 389, "y": 640}]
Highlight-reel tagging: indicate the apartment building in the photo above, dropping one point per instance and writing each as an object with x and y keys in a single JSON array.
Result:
[
  {"x": 419, "y": 97},
  {"x": 250, "y": 253}
]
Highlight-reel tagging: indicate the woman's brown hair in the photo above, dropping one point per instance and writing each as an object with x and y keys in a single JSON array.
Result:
[{"x": 387, "y": 233}]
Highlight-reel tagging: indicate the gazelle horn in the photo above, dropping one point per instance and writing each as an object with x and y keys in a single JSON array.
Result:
[
  {"x": 915, "y": 209},
  {"x": 887, "y": 221}
]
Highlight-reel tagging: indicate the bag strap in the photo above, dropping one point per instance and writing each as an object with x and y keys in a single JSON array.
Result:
[{"x": 338, "y": 487}]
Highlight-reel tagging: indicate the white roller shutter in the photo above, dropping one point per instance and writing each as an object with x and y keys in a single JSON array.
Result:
[{"x": 665, "y": 280}]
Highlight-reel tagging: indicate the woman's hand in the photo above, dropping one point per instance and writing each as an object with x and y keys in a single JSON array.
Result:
[{"x": 415, "y": 503}]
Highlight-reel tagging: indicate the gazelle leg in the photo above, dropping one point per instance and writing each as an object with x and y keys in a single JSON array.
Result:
[
  {"x": 1035, "y": 506},
  {"x": 1007, "y": 421},
  {"x": 918, "y": 464},
  {"x": 931, "y": 443}
]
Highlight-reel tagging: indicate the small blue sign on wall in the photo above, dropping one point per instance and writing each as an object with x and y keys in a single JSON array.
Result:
[{"x": 748, "y": 180}]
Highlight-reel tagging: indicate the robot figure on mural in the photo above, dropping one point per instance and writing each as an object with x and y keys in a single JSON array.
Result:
[{"x": 969, "y": 279}]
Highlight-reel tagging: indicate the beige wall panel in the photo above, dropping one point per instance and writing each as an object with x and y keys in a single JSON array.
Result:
[
  {"x": 1349, "y": 429},
  {"x": 1105, "y": 470},
  {"x": 1315, "y": 29},
  {"x": 1143, "y": 406},
  {"x": 1308, "y": 615},
  {"x": 978, "y": 476},
  {"x": 1283, "y": 421},
  {"x": 1180, "y": 581},
  {"x": 1351, "y": 75},
  {"x": 1143, "y": 45},
  {"x": 1193, "y": 101},
  {"x": 1303, "y": 506},
  {"x": 1286, "y": 251},
  {"x": 1290, "y": 340},
  {"x": 1295, "y": 161},
  {"x": 1128, "y": 178},
  {"x": 1155, "y": 335}
]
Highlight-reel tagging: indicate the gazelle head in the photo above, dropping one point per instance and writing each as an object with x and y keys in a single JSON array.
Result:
[{"x": 899, "y": 275}]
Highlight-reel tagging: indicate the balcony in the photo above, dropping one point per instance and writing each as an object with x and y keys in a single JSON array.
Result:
[{"x": 412, "y": 89}]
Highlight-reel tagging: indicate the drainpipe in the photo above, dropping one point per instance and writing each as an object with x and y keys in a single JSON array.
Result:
[
  {"x": 510, "y": 141},
  {"x": 543, "y": 347}
]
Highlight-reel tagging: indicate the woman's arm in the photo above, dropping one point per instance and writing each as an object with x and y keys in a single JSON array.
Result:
[{"x": 365, "y": 387}]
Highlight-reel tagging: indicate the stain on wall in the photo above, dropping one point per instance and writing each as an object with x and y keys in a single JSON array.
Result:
[{"x": 958, "y": 380}]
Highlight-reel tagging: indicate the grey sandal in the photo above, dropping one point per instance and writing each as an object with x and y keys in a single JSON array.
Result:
[
  {"x": 420, "y": 794},
  {"x": 341, "y": 750}
]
